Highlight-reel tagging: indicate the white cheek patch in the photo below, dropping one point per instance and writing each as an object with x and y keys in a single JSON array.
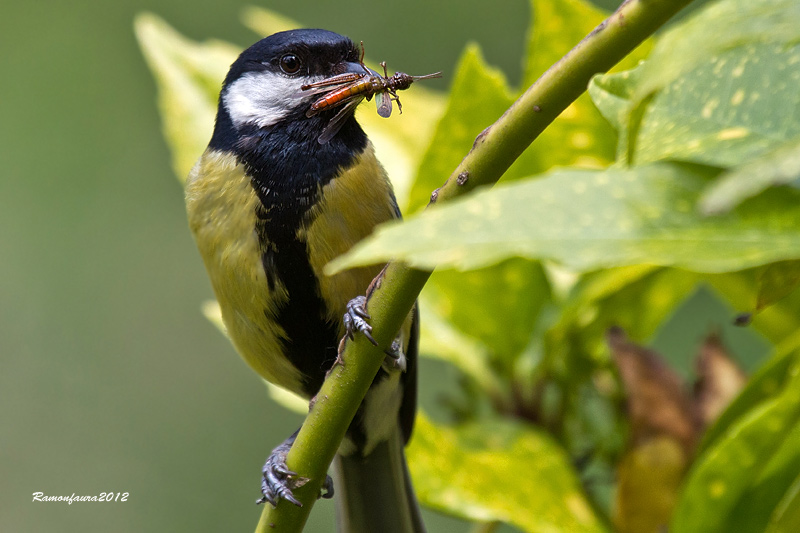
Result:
[{"x": 262, "y": 98}]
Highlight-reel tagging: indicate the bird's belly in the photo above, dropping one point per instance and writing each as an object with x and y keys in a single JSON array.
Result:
[
  {"x": 285, "y": 321},
  {"x": 221, "y": 207}
]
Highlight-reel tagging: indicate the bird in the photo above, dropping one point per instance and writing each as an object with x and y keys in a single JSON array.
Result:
[{"x": 270, "y": 202}]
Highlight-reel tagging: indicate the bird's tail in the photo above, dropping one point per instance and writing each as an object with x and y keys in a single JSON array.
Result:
[{"x": 374, "y": 493}]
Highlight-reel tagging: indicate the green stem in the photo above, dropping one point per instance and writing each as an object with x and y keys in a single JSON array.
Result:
[{"x": 495, "y": 149}]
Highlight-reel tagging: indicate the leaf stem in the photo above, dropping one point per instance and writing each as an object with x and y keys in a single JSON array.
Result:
[{"x": 494, "y": 150}]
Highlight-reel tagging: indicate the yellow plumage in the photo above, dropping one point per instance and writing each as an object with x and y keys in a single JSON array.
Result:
[
  {"x": 221, "y": 205},
  {"x": 349, "y": 208}
]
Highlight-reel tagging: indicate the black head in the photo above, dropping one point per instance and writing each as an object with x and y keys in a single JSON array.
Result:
[
  {"x": 262, "y": 88},
  {"x": 307, "y": 53},
  {"x": 262, "y": 119}
]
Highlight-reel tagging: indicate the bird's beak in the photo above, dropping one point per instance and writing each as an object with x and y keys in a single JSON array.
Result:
[{"x": 356, "y": 68}]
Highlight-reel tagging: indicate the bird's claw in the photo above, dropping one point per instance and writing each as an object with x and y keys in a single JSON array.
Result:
[
  {"x": 355, "y": 319},
  {"x": 278, "y": 481}
]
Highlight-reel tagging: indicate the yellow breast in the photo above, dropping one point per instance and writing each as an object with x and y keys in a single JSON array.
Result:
[
  {"x": 221, "y": 205},
  {"x": 350, "y": 207}
]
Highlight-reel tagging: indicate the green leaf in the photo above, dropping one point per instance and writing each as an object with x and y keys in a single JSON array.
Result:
[
  {"x": 497, "y": 305},
  {"x": 636, "y": 298},
  {"x": 612, "y": 94},
  {"x": 714, "y": 29},
  {"x": 775, "y": 167},
  {"x": 769, "y": 486},
  {"x": 593, "y": 219},
  {"x": 718, "y": 89},
  {"x": 776, "y": 281},
  {"x": 498, "y": 471},
  {"x": 786, "y": 518},
  {"x": 776, "y": 322},
  {"x": 730, "y": 479},
  {"x": 441, "y": 340},
  {"x": 641, "y": 298},
  {"x": 725, "y": 112},
  {"x": 189, "y": 76},
  {"x": 478, "y": 96}
]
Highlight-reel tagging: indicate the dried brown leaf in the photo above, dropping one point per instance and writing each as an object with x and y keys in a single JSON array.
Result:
[
  {"x": 719, "y": 379},
  {"x": 657, "y": 402}
]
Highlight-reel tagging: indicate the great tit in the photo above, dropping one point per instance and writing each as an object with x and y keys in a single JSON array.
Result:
[{"x": 270, "y": 205}]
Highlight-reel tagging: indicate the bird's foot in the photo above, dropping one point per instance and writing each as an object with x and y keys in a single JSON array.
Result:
[
  {"x": 278, "y": 481},
  {"x": 355, "y": 319}
]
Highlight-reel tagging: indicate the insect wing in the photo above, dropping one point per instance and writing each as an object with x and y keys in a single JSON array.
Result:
[
  {"x": 337, "y": 121},
  {"x": 384, "y": 102}
]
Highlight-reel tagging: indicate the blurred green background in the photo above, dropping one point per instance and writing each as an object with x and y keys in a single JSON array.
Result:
[{"x": 112, "y": 381}]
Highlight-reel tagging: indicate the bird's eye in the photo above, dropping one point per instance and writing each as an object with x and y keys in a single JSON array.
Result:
[{"x": 290, "y": 64}]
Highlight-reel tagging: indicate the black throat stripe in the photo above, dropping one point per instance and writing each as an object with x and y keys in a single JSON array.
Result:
[{"x": 288, "y": 168}]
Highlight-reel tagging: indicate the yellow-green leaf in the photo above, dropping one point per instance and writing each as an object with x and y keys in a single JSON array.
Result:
[
  {"x": 265, "y": 22},
  {"x": 441, "y": 340},
  {"x": 188, "y": 76},
  {"x": 557, "y": 26},
  {"x": 776, "y": 281},
  {"x": 648, "y": 478},
  {"x": 738, "y": 482},
  {"x": 498, "y": 471},
  {"x": 718, "y": 89},
  {"x": 778, "y": 321},
  {"x": 497, "y": 305},
  {"x": 775, "y": 167},
  {"x": 786, "y": 518},
  {"x": 593, "y": 219}
]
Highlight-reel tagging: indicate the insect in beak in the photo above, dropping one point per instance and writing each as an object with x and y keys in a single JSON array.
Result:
[{"x": 351, "y": 87}]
